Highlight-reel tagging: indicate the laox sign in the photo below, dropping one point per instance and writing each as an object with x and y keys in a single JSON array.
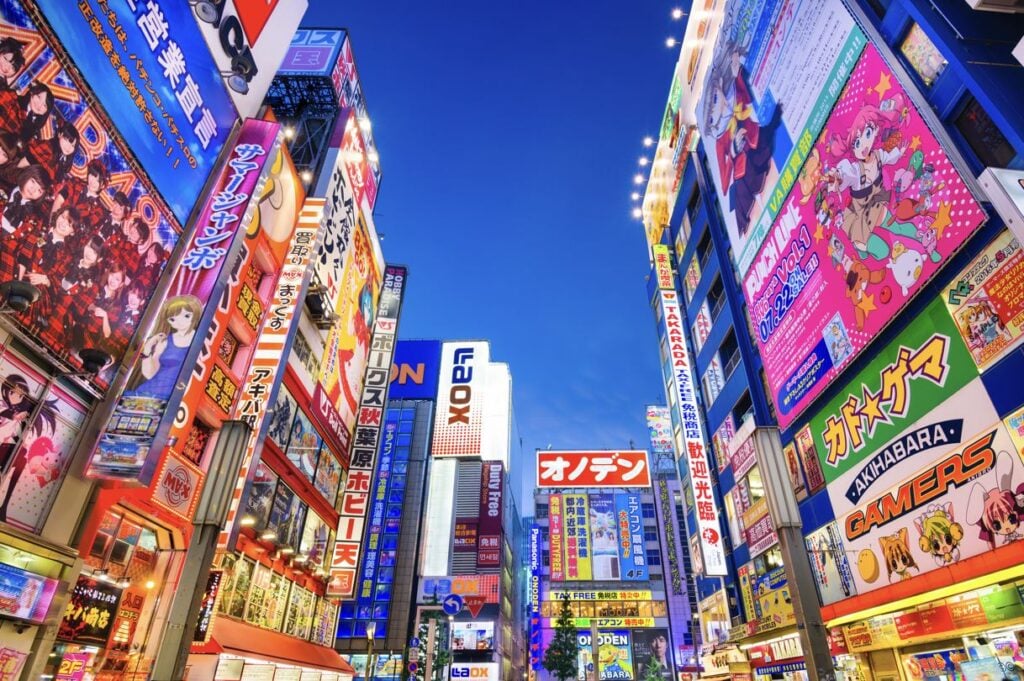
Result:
[{"x": 461, "y": 393}]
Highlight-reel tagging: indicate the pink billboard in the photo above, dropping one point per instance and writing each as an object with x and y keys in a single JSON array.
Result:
[{"x": 875, "y": 212}]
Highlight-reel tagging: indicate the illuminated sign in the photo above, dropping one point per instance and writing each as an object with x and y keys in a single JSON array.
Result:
[
  {"x": 638, "y": 595},
  {"x": 24, "y": 595},
  {"x": 489, "y": 528},
  {"x": 606, "y": 468},
  {"x": 458, "y": 422},
  {"x": 414, "y": 373},
  {"x": 663, "y": 267},
  {"x": 484, "y": 671}
]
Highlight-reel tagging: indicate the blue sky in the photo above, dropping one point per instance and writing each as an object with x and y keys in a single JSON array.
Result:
[{"x": 509, "y": 134}]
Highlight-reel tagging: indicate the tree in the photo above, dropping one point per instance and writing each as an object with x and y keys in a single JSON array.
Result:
[{"x": 560, "y": 658}]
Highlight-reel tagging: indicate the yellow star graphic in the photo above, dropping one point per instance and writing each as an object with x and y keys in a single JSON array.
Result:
[
  {"x": 867, "y": 304},
  {"x": 819, "y": 233},
  {"x": 871, "y": 410},
  {"x": 915, "y": 142},
  {"x": 942, "y": 219},
  {"x": 884, "y": 84}
]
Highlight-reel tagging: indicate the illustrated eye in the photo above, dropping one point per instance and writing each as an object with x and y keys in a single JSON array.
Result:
[
  {"x": 935, "y": 545},
  {"x": 996, "y": 525},
  {"x": 949, "y": 538},
  {"x": 1012, "y": 518}
]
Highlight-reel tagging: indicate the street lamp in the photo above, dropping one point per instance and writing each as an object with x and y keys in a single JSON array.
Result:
[{"x": 371, "y": 629}]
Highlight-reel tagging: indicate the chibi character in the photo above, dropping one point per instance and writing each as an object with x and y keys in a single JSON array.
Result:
[
  {"x": 871, "y": 143},
  {"x": 612, "y": 664},
  {"x": 983, "y": 325},
  {"x": 940, "y": 533},
  {"x": 163, "y": 353},
  {"x": 999, "y": 510},
  {"x": 743, "y": 146},
  {"x": 897, "y": 556},
  {"x": 906, "y": 266},
  {"x": 38, "y": 454}
]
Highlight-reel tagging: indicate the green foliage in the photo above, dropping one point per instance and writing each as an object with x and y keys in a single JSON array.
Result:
[{"x": 560, "y": 658}]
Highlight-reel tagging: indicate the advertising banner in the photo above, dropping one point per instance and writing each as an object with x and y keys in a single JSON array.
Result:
[
  {"x": 607, "y": 468},
  {"x": 630, "y": 536},
  {"x": 89, "y": 615},
  {"x": 151, "y": 71},
  {"x": 830, "y": 565},
  {"x": 701, "y": 326},
  {"x": 25, "y": 595},
  {"x": 414, "y": 372},
  {"x": 313, "y": 51},
  {"x": 871, "y": 221},
  {"x": 652, "y": 655},
  {"x": 355, "y": 497},
  {"x": 985, "y": 301},
  {"x": 663, "y": 266},
  {"x": 691, "y": 280},
  {"x": 555, "y": 597},
  {"x": 659, "y": 428},
  {"x": 534, "y": 597},
  {"x": 434, "y": 589},
  {"x": 671, "y": 537},
  {"x": 473, "y": 636},
  {"x": 577, "y": 538},
  {"x": 178, "y": 485},
  {"x": 695, "y": 455},
  {"x": 143, "y": 415},
  {"x": 556, "y": 542},
  {"x": 776, "y": 71},
  {"x": 464, "y": 535},
  {"x": 208, "y": 607},
  {"x": 614, "y": 656},
  {"x": 95, "y": 239},
  {"x": 492, "y": 487},
  {"x": 458, "y": 421},
  {"x": 604, "y": 538}
]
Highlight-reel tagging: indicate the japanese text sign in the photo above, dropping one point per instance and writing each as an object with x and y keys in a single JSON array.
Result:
[
  {"x": 663, "y": 267},
  {"x": 89, "y": 614},
  {"x": 605, "y": 468}
]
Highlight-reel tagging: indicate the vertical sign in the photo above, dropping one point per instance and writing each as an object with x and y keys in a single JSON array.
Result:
[
  {"x": 273, "y": 344},
  {"x": 631, "y": 538},
  {"x": 555, "y": 543},
  {"x": 144, "y": 413},
  {"x": 458, "y": 423},
  {"x": 604, "y": 538},
  {"x": 491, "y": 501},
  {"x": 355, "y": 497},
  {"x": 535, "y": 626},
  {"x": 694, "y": 440},
  {"x": 577, "y": 538},
  {"x": 663, "y": 267}
]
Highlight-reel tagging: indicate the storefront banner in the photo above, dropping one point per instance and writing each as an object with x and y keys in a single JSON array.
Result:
[
  {"x": 90, "y": 612},
  {"x": 745, "y": 575},
  {"x": 614, "y": 656},
  {"x": 72, "y": 666},
  {"x": 25, "y": 595},
  {"x": 434, "y": 589},
  {"x": 492, "y": 485},
  {"x": 941, "y": 664},
  {"x": 772, "y": 603},
  {"x": 663, "y": 266},
  {"x": 604, "y": 538},
  {"x": 630, "y": 535},
  {"x": 760, "y": 534},
  {"x": 605, "y": 468},
  {"x": 464, "y": 537},
  {"x": 652, "y": 655},
  {"x": 130, "y": 446},
  {"x": 458, "y": 421},
  {"x": 985, "y": 301},
  {"x": 796, "y": 477},
  {"x": 577, "y": 538},
  {"x": 721, "y": 441},
  {"x": 555, "y": 539},
  {"x": 830, "y": 565},
  {"x": 701, "y": 327},
  {"x": 155, "y": 78},
  {"x": 414, "y": 374},
  {"x": 842, "y": 260},
  {"x": 709, "y": 530},
  {"x": 776, "y": 71},
  {"x": 483, "y": 671},
  {"x": 639, "y": 595}
]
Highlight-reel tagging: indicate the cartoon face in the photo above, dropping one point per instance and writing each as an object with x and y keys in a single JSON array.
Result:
[
  {"x": 1004, "y": 524},
  {"x": 864, "y": 142},
  {"x": 181, "y": 321},
  {"x": 942, "y": 544},
  {"x": 907, "y": 266}
]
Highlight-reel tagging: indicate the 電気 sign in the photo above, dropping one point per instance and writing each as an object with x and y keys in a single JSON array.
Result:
[{"x": 558, "y": 469}]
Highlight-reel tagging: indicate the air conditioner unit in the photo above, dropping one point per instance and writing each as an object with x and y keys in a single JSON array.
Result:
[{"x": 1005, "y": 6}]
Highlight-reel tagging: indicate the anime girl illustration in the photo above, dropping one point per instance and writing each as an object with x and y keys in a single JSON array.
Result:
[
  {"x": 940, "y": 533},
  {"x": 15, "y": 407},
  {"x": 897, "y": 556},
  {"x": 743, "y": 145},
  {"x": 982, "y": 326},
  {"x": 38, "y": 455},
  {"x": 163, "y": 353},
  {"x": 998, "y": 511}
]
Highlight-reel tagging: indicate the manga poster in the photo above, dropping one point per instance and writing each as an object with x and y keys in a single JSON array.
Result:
[
  {"x": 776, "y": 70},
  {"x": 877, "y": 210}
]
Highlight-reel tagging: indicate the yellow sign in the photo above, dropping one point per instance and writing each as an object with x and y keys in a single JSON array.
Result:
[
  {"x": 663, "y": 267},
  {"x": 757, "y": 510},
  {"x": 601, "y": 595},
  {"x": 608, "y": 622}
]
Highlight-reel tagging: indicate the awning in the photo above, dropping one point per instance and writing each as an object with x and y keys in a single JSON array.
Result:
[{"x": 238, "y": 638}]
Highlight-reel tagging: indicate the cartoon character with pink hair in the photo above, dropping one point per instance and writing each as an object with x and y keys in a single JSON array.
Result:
[{"x": 999, "y": 510}]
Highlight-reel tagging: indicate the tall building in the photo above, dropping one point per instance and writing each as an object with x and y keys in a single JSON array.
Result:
[{"x": 822, "y": 253}]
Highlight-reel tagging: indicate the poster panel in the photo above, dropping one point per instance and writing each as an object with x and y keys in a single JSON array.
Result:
[
  {"x": 830, "y": 565},
  {"x": 90, "y": 613},
  {"x": 869, "y": 223},
  {"x": 492, "y": 485},
  {"x": 630, "y": 535},
  {"x": 556, "y": 542},
  {"x": 25, "y": 595},
  {"x": 652, "y": 655},
  {"x": 577, "y": 537},
  {"x": 604, "y": 538},
  {"x": 985, "y": 301},
  {"x": 151, "y": 71},
  {"x": 614, "y": 655},
  {"x": 775, "y": 73},
  {"x": 88, "y": 233}
]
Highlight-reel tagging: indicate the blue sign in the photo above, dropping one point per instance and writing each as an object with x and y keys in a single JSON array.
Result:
[
  {"x": 632, "y": 554},
  {"x": 452, "y": 604},
  {"x": 148, "y": 64},
  {"x": 414, "y": 642},
  {"x": 414, "y": 372}
]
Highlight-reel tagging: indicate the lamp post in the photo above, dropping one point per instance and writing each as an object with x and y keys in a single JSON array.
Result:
[
  {"x": 451, "y": 651},
  {"x": 371, "y": 629}
]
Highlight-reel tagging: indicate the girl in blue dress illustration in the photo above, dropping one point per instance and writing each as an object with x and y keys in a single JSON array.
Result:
[{"x": 163, "y": 353}]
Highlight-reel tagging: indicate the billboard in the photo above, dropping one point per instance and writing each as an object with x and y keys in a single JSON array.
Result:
[
  {"x": 90, "y": 613},
  {"x": 556, "y": 541},
  {"x": 492, "y": 487},
  {"x": 414, "y": 372},
  {"x": 79, "y": 221},
  {"x": 709, "y": 533},
  {"x": 614, "y": 656},
  {"x": 921, "y": 471},
  {"x": 984, "y": 302},
  {"x": 870, "y": 222},
  {"x": 577, "y": 537},
  {"x": 144, "y": 413},
  {"x": 774, "y": 75},
  {"x": 830, "y": 565},
  {"x": 652, "y": 654},
  {"x": 434, "y": 589},
  {"x": 355, "y": 498},
  {"x": 659, "y": 429},
  {"x": 458, "y": 421},
  {"x": 157, "y": 82},
  {"x": 484, "y": 671},
  {"x": 534, "y": 596},
  {"x": 629, "y": 527},
  {"x": 313, "y": 51},
  {"x": 473, "y": 636},
  {"x": 248, "y": 42},
  {"x": 604, "y": 468},
  {"x": 25, "y": 595}
]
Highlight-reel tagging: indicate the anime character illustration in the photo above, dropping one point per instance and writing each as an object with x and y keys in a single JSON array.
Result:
[
  {"x": 15, "y": 407},
  {"x": 164, "y": 351},
  {"x": 38, "y": 455},
  {"x": 604, "y": 530},
  {"x": 743, "y": 144},
  {"x": 906, "y": 266},
  {"x": 612, "y": 664},
  {"x": 897, "y": 556},
  {"x": 353, "y": 360},
  {"x": 858, "y": 278},
  {"x": 998, "y": 511},
  {"x": 940, "y": 533},
  {"x": 837, "y": 341},
  {"x": 982, "y": 326}
]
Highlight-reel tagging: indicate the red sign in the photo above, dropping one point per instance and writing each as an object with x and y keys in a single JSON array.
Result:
[
  {"x": 178, "y": 485},
  {"x": 606, "y": 468},
  {"x": 474, "y": 604}
]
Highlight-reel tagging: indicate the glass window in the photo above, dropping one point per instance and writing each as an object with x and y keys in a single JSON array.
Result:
[
  {"x": 922, "y": 55},
  {"x": 585, "y": 609},
  {"x": 304, "y": 446},
  {"x": 405, "y": 426},
  {"x": 644, "y": 608},
  {"x": 653, "y": 557},
  {"x": 647, "y": 509},
  {"x": 404, "y": 440},
  {"x": 659, "y": 609},
  {"x": 280, "y": 418},
  {"x": 983, "y": 136}
]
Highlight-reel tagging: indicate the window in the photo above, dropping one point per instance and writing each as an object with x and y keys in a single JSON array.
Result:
[
  {"x": 647, "y": 510},
  {"x": 716, "y": 298},
  {"x": 983, "y": 136},
  {"x": 653, "y": 557},
  {"x": 744, "y": 409},
  {"x": 704, "y": 248},
  {"x": 650, "y": 534},
  {"x": 922, "y": 55},
  {"x": 693, "y": 204},
  {"x": 729, "y": 351}
]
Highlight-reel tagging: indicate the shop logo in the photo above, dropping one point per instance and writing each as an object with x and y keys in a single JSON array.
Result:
[
  {"x": 461, "y": 393},
  {"x": 177, "y": 484}
]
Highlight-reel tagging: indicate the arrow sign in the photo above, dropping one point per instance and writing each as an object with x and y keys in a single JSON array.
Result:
[
  {"x": 474, "y": 604},
  {"x": 452, "y": 604},
  {"x": 414, "y": 642}
]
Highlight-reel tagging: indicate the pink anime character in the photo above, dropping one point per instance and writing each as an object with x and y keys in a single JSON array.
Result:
[
  {"x": 999, "y": 510},
  {"x": 873, "y": 141}
]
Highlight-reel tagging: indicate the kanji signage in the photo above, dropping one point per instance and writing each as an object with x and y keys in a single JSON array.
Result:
[
  {"x": 90, "y": 612},
  {"x": 663, "y": 267},
  {"x": 208, "y": 607},
  {"x": 555, "y": 538},
  {"x": 608, "y": 468}
]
